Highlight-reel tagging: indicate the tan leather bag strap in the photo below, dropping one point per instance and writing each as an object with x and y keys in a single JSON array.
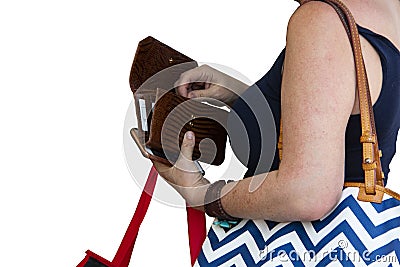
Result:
[{"x": 373, "y": 175}]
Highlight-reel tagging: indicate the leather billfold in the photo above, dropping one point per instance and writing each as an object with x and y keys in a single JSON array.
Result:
[{"x": 164, "y": 116}]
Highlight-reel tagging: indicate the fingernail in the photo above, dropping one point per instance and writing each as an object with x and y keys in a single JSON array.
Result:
[{"x": 189, "y": 135}]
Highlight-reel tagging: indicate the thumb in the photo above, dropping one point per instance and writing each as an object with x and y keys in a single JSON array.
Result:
[
  {"x": 187, "y": 146},
  {"x": 185, "y": 162}
]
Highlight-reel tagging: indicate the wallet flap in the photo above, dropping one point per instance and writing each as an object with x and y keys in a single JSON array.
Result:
[{"x": 152, "y": 57}]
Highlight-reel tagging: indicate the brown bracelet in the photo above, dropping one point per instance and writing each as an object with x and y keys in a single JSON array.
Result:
[{"x": 212, "y": 202}]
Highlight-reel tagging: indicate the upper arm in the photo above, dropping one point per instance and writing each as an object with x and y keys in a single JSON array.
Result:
[{"x": 318, "y": 91}]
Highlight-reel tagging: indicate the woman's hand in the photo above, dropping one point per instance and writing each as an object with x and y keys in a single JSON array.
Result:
[
  {"x": 184, "y": 176},
  {"x": 216, "y": 84}
]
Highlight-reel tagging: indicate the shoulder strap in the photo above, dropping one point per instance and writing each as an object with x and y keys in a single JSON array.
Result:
[
  {"x": 195, "y": 219},
  {"x": 371, "y": 165},
  {"x": 196, "y": 230},
  {"x": 124, "y": 252}
]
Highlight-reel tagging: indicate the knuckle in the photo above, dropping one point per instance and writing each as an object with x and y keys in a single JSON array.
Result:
[
  {"x": 186, "y": 144},
  {"x": 183, "y": 74},
  {"x": 216, "y": 92},
  {"x": 204, "y": 66}
]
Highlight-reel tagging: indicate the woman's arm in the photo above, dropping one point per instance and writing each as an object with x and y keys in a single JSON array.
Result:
[{"x": 318, "y": 92}]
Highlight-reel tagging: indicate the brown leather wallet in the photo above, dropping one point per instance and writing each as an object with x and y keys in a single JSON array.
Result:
[{"x": 164, "y": 116}]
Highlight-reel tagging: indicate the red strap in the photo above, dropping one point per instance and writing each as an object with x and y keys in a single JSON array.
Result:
[
  {"x": 197, "y": 232},
  {"x": 123, "y": 255},
  {"x": 195, "y": 218}
]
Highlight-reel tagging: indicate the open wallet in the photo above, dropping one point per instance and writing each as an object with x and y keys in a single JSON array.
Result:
[{"x": 164, "y": 116}]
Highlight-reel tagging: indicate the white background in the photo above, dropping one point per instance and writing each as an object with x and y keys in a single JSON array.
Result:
[{"x": 64, "y": 93}]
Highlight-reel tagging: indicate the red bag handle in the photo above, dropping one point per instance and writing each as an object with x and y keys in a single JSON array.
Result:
[
  {"x": 196, "y": 229},
  {"x": 124, "y": 252}
]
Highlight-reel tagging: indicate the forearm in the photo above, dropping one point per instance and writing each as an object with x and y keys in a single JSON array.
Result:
[
  {"x": 260, "y": 197},
  {"x": 282, "y": 196},
  {"x": 266, "y": 196}
]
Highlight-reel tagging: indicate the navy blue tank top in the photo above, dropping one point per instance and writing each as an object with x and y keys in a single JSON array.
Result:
[{"x": 386, "y": 110}]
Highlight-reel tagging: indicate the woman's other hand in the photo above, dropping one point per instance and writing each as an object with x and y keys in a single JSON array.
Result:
[{"x": 213, "y": 83}]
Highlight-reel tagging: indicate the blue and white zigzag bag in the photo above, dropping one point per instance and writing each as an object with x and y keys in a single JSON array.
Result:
[{"x": 355, "y": 233}]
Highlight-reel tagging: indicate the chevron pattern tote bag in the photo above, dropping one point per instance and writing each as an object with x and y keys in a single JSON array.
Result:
[{"x": 362, "y": 230}]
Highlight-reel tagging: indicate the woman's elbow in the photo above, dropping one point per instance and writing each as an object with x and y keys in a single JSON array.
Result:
[{"x": 317, "y": 205}]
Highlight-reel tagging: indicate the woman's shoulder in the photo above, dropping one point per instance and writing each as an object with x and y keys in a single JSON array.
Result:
[
  {"x": 312, "y": 20},
  {"x": 312, "y": 13},
  {"x": 315, "y": 24},
  {"x": 370, "y": 12},
  {"x": 378, "y": 16}
]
